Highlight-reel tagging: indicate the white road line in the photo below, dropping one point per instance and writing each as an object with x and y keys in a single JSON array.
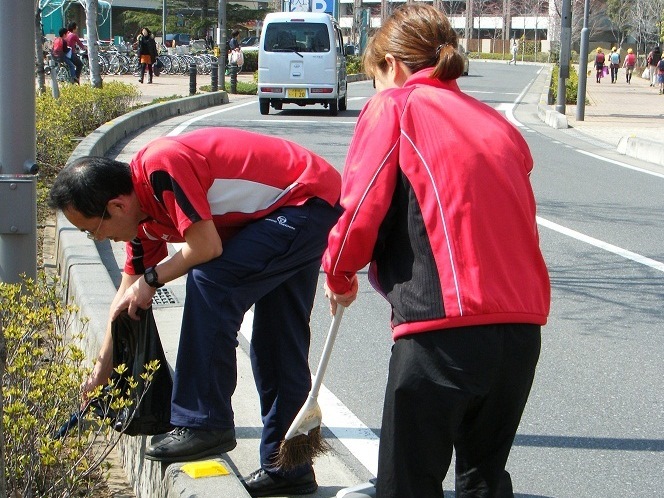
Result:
[
  {"x": 346, "y": 427},
  {"x": 184, "y": 125},
  {"x": 294, "y": 121},
  {"x": 624, "y": 253},
  {"x": 622, "y": 165}
]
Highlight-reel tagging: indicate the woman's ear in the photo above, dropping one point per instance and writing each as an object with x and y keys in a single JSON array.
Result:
[{"x": 397, "y": 71}]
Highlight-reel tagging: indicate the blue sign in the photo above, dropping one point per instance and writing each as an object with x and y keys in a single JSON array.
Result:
[{"x": 326, "y": 6}]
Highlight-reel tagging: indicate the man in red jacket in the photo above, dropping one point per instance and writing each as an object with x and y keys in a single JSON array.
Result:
[{"x": 253, "y": 213}]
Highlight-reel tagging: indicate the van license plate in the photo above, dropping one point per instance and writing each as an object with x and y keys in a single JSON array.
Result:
[{"x": 297, "y": 93}]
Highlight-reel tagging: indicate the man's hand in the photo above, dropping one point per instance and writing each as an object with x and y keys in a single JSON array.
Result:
[
  {"x": 98, "y": 377},
  {"x": 138, "y": 295},
  {"x": 345, "y": 299}
]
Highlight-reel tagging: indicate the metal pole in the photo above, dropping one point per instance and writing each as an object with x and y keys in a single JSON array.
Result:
[
  {"x": 192, "y": 78},
  {"x": 565, "y": 48},
  {"x": 221, "y": 40},
  {"x": 18, "y": 185},
  {"x": 583, "y": 65},
  {"x": 55, "y": 67},
  {"x": 214, "y": 76},
  {"x": 233, "y": 71},
  {"x": 164, "y": 14}
]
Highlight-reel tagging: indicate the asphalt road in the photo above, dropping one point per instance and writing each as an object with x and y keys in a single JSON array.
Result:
[{"x": 594, "y": 424}]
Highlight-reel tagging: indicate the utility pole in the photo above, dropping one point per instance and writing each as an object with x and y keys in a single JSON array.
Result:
[
  {"x": 583, "y": 65},
  {"x": 18, "y": 184},
  {"x": 221, "y": 40},
  {"x": 565, "y": 48},
  {"x": 164, "y": 14}
]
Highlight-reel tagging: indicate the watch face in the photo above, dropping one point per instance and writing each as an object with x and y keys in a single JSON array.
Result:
[{"x": 151, "y": 277}]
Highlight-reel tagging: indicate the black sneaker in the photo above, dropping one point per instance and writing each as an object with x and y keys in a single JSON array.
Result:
[
  {"x": 260, "y": 483},
  {"x": 183, "y": 444}
]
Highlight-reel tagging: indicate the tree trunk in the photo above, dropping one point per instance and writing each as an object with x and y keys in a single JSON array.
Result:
[
  {"x": 91, "y": 8},
  {"x": 39, "y": 53}
]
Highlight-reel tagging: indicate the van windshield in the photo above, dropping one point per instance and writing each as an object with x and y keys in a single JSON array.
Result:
[{"x": 296, "y": 37}]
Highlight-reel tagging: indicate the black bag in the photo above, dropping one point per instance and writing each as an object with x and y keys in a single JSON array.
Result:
[
  {"x": 136, "y": 343},
  {"x": 157, "y": 67}
]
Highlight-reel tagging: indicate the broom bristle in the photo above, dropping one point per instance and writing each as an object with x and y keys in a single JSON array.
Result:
[{"x": 301, "y": 450}]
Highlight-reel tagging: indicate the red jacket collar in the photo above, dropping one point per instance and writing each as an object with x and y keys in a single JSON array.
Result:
[{"x": 423, "y": 77}]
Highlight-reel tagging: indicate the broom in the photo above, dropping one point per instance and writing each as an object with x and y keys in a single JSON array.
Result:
[{"x": 304, "y": 441}]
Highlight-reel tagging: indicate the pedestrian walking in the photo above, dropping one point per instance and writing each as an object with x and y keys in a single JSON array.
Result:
[
  {"x": 515, "y": 50},
  {"x": 430, "y": 212},
  {"x": 629, "y": 64},
  {"x": 653, "y": 59},
  {"x": 254, "y": 213},
  {"x": 660, "y": 74},
  {"x": 599, "y": 64},
  {"x": 614, "y": 64},
  {"x": 147, "y": 53}
]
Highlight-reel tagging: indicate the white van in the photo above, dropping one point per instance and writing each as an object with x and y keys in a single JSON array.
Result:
[{"x": 301, "y": 61}]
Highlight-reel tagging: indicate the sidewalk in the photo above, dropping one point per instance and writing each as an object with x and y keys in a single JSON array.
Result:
[
  {"x": 620, "y": 110},
  {"x": 169, "y": 85}
]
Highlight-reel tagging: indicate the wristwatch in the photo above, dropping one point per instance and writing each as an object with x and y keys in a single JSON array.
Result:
[{"x": 151, "y": 278}]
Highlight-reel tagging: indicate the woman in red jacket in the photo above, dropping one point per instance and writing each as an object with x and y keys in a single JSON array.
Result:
[{"x": 437, "y": 197}]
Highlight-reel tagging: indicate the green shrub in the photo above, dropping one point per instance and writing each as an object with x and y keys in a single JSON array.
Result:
[
  {"x": 41, "y": 388},
  {"x": 354, "y": 64},
  {"x": 250, "y": 61},
  {"x": 571, "y": 85},
  {"x": 78, "y": 111}
]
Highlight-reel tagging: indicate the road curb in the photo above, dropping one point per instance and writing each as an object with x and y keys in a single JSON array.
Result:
[{"x": 642, "y": 148}]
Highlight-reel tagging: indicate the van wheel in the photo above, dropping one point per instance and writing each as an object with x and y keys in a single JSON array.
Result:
[
  {"x": 278, "y": 105},
  {"x": 334, "y": 109},
  {"x": 343, "y": 103},
  {"x": 264, "y": 105}
]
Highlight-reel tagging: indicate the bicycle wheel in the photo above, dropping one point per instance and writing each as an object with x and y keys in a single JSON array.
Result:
[{"x": 167, "y": 62}]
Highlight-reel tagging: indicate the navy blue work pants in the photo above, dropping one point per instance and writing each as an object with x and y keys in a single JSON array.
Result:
[
  {"x": 464, "y": 389},
  {"x": 273, "y": 263}
]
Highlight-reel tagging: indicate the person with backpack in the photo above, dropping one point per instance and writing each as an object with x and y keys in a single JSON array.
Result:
[
  {"x": 61, "y": 53},
  {"x": 614, "y": 60},
  {"x": 629, "y": 64},
  {"x": 660, "y": 74},
  {"x": 653, "y": 58},
  {"x": 599, "y": 65}
]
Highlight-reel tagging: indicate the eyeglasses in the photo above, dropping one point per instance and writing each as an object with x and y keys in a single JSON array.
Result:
[{"x": 93, "y": 235}]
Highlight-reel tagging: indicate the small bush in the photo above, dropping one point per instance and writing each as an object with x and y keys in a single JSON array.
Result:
[
  {"x": 78, "y": 111},
  {"x": 40, "y": 387},
  {"x": 354, "y": 64},
  {"x": 571, "y": 85},
  {"x": 250, "y": 61}
]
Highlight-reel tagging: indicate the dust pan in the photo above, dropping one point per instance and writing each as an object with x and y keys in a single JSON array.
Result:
[{"x": 304, "y": 441}]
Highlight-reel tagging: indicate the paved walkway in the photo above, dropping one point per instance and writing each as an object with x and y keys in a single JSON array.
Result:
[
  {"x": 620, "y": 110},
  {"x": 168, "y": 85}
]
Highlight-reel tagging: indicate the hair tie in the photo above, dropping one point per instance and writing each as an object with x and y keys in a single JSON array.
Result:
[{"x": 439, "y": 48}]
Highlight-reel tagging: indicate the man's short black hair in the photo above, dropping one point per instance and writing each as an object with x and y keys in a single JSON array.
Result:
[
  {"x": 63, "y": 32},
  {"x": 88, "y": 183}
]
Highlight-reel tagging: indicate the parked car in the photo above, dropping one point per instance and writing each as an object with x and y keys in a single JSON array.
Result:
[
  {"x": 249, "y": 41},
  {"x": 180, "y": 39}
]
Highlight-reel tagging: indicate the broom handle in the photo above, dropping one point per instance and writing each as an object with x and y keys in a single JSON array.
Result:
[{"x": 327, "y": 352}]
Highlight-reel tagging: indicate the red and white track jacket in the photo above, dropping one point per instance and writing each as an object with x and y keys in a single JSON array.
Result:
[{"x": 437, "y": 198}]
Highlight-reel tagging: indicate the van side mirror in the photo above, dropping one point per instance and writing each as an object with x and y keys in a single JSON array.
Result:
[{"x": 349, "y": 50}]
